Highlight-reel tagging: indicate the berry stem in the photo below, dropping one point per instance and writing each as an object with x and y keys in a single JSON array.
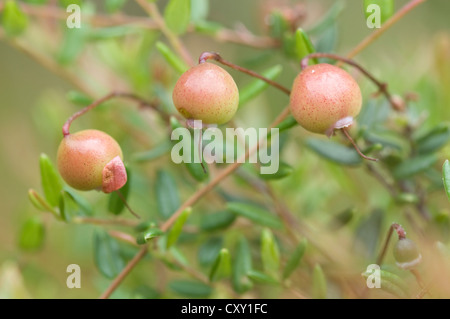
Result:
[
  {"x": 66, "y": 126},
  {"x": 401, "y": 235},
  {"x": 382, "y": 87},
  {"x": 347, "y": 135},
  {"x": 216, "y": 56},
  {"x": 122, "y": 198}
]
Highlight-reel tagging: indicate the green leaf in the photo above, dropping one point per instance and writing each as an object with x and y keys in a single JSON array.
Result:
[
  {"x": 278, "y": 24},
  {"x": 174, "y": 61},
  {"x": 112, "y": 6},
  {"x": 85, "y": 207},
  {"x": 434, "y": 139},
  {"x": 208, "y": 27},
  {"x": 255, "y": 214},
  {"x": 51, "y": 182},
  {"x": 73, "y": 43},
  {"x": 177, "y": 15},
  {"x": 14, "y": 21},
  {"x": 242, "y": 264},
  {"x": 328, "y": 40},
  {"x": 197, "y": 172},
  {"x": 222, "y": 266},
  {"x": 167, "y": 197},
  {"x": 148, "y": 235},
  {"x": 284, "y": 170},
  {"x": 115, "y": 203},
  {"x": 368, "y": 233},
  {"x": 319, "y": 283},
  {"x": 36, "y": 1},
  {"x": 107, "y": 255},
  {"x": 392, "y": 283},
  {"x": 261, "y": 278},
  {"x": 257, "y": 86},
  {"x": 288, "y": 123},
  {"x": 39, "y": 202},
  {"x": 209, "y": 251},
  {"x": 145, "y": 292},
  {"x": 294, "y": 259},
  {"x": 111, "y": 32},
  {"x": 334, "y": 152},
  {"x": 217, "y": 221},
  {"x": 31, "y": 236},
  {"x": 328, "y": 19},
  {"x": 446, "y": 177},
  {"x": 190, "y": 289},
  {"x": 177, "y": 227},
  {"x": 303, "y": 45},
  {"x": 270, "y": 253},
  {"x": 386, "y": 9},
  {"x": 199, "y": 10},
  {"x": 156, "y": 152},
  {"x": 411, "y": 167},
  {"x": 79, "y": 98}
]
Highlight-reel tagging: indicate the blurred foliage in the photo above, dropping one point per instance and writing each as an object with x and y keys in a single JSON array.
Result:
[{"x": 310, "y": 230}]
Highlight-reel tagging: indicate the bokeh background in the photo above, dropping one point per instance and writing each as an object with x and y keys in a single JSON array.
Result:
[{"x": 33, "y": 107}]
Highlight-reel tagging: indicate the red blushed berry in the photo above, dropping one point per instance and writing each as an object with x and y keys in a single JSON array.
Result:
[
  {"x": 324, "y": 98},
  {"x": 91, "y": 159},
  {"x": 208, "y": 93}
]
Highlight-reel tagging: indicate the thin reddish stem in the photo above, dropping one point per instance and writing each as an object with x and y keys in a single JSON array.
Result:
[
  {"x": 401, "y": 235},
  {"x": 216, "y": 56},
  {"x": 347, "y": 135},
  {"x": 124, "y": 201},
  {"x": 66, "y": 126}
]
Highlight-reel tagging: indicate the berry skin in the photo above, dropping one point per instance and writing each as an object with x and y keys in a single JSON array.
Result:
[
  {"x": 406, "y": 254},
  {"x": 91, "y": 159},
  {"x": 206, "y": 92},
  {"x": 325, "y": 97}
]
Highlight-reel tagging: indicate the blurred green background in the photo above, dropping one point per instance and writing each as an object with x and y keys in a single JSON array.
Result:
[{"x": 405, "y": 57}]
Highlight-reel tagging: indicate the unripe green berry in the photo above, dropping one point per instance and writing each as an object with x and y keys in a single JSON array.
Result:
[
  {"x": 325, "y": 97},
  {"x": 91, "y": 159},
  {"x": 406, "y": 253},
  {"x": 206, "y": 92}
]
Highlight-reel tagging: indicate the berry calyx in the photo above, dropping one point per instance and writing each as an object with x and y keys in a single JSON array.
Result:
[
  {"x": 208, "y": 93},
  {"x": 91, "y": 159},
  {"x": 324, "y": 98}
]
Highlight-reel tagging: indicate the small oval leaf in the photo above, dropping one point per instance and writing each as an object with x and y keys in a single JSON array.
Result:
[
  {"x": 167, "y": 197},
  {"x": 446, "y": 177},
  {"x": 177, "y": 15},
  {"x": 294, "y": 259},
  {"x": 222, "y": 266},
  {"x": 270, "y": 253},
  {"x": 255, "y": 214},
  {"x": 51, "y": 182},
  {"x": 319, "y": 283},
  {"x": 177, "y": 227},
  {"x": 216, "y": 221},
  {"x": 31, "y": 236},
  {"x": 414, "y": 166},
  {"x": 190, "y": 289},
  {"x": 107, "y": 255},
  {"x": 242, "y": 264},
  {"x": 334, "y": 152}
]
